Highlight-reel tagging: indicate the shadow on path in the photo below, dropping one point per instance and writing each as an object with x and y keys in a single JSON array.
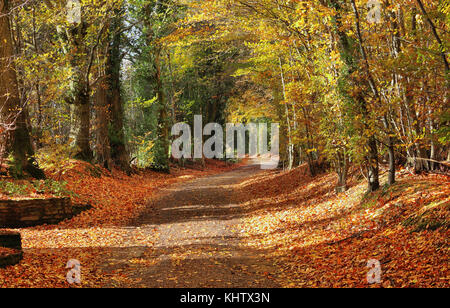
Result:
[{"x": 198, "y": 243}]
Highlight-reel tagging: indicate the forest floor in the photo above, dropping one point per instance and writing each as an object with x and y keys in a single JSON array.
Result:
[
  {"x": 198, "y": 244},
  {"x": 116, "y": 200},
  {"x": 242, "y": 227},
  {"x": 323, "y": 239}
]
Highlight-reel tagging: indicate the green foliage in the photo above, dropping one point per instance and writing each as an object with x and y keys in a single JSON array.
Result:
[
  {"x": 54, "y": 155},
  {"x": 299, "y": 65},
  {"x": 13, "y": 189},
  {"x": 444, "y": 132},
  {"x": 144, "y": 154},
  {"x": 48, "y": 186},
  {"x": 430, "y": 219},
  {"x": 161, "y": 155},
  {"x": 15, "y": 168},
  {"x": 52, "y": 187}
]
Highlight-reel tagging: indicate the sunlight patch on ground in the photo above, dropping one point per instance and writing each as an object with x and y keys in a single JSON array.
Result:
[
  {"x": 324, "y": 239},
  {"x": 200, "y": 207},
  {"x": 83, "y": 238}
]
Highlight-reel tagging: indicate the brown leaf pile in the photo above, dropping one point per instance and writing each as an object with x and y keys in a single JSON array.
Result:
[
  {"x": 323, "y": 239},
  {"x": 116, "y": 200}
]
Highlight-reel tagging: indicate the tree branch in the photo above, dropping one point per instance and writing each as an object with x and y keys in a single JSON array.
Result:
[{"x": 436, "y": 35}]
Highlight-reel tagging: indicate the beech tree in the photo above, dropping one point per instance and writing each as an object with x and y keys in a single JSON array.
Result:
[
  {"x": 15, "y": 135},
  {"x": 347, "y": 90}
]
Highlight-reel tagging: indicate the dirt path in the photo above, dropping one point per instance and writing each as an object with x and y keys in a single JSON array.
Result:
[{"x": 198, "y": 242}]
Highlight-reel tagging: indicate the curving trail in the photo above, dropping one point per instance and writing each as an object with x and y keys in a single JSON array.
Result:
[{"x": 198, "y": 244}]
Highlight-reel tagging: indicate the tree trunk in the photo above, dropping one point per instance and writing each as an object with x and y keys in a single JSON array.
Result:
[
  {"x": 119, "y": 153},
  {"x": 352, "y": 59},
  {"x": 436, "y": 36},
  {"x": 433, "y": 154},
  {"x": 102, "y": 107},
  {"x": 13, "y": 117},
  {"x": 373, "y": 167},
  {"x": 162, "y": 143},
  {"x": 288, "y": 120},
  {"x": 374, "y": 182},
  {"x": 79, "y": 100},
  {"x": 342, "y": 170},
  {"x": 391, "y": 151},
  {"x": 80, "y": 111}
]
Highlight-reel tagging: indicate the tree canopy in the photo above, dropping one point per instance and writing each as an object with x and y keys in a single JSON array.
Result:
[{"x": 350, "y": 82}]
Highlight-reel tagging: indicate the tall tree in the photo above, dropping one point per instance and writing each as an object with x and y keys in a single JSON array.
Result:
[
  {"x": 119, "y": 153},
  {"x": 354, "y": 78},
  {"x": 13, "y": 116},
  {"x": 111, "y": 144},
  {"x": 79, "y": 100}
]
